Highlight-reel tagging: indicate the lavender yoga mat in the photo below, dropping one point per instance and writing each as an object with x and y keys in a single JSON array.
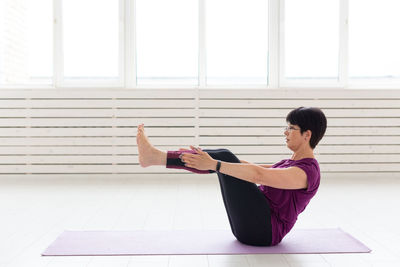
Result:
[{"x": 192, "y": 242}]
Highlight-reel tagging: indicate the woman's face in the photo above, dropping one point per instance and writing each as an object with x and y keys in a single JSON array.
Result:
[{"x": 294, "y": 138}]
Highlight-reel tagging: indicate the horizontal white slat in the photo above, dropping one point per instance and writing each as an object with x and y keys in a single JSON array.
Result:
[
  {"x": 174, "y": 122},
  {"x": 179, "y": 174},
  {"x": 133, "y": 159},
  {"x": 278, "y": 122},
  {"x": 281, "y": 113},
  {"x": 264, "y": 131},
  {"x": 78, "y": 150},
  {"x": 60, "y": 169},
  {"x": 170, "y": 112},
  {"x": 367, "y": 140},
  {"x": 98, "y": 113},
  {"x": 52, "y": 112},
  {"x": 281, "y": 140},
  {"x": 97, "y": 103},
  {"x": 240, "y": 140},
  {"x": 239, "y": 150},
  {"x": 98, "y": 93},
  {"x": 361, "y": 158},
  {"x": 360, "y": 167},
  {"x": 176, "y": 174},
  {"x": 82, "y": 169},
  {"x": 300, "y": 93},
  {"x": 188, "y": 112},
  {"x": 94, "y": 141},
  {"x": 62, "y": 159},
  {"x": 320, "y": 149},
  {"x": 294, "y": 103},
  {"x": 128, "y": 131},
  {"x": 91, "y": 122},
  {"x": 358, "y": 149},
  {"x": 189, "y": 131}
]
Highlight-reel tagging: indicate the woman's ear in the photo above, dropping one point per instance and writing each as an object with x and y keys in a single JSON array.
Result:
[{"x": 307, "y": 134}]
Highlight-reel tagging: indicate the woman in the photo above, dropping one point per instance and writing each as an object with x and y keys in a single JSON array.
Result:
[{"x": 258, "y": 215}]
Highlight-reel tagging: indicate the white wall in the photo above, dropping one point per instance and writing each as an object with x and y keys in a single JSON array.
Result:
[{"x": 91, "y": 132}]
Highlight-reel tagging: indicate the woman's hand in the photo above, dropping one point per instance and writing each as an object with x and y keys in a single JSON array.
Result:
[{"x": 200, "y": 161}]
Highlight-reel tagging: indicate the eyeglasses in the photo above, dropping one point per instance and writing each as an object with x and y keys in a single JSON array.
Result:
[{"x": 290, "y": 128}]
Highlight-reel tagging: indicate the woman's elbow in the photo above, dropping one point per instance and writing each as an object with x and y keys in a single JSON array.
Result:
[
  {"x": 267, "y": 177},
  {"x": 259, "y": 175}
]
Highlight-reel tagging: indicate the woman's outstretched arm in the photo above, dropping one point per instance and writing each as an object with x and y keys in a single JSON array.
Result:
[
  {"x": 289, "y": 178},
  {"x": 283, "y": 178}
]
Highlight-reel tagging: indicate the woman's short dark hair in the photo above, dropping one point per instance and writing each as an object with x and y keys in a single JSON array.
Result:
[{"x": 309, "y": 118}]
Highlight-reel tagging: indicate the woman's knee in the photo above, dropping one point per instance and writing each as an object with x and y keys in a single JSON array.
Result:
[{"x": 227, "y": 155}]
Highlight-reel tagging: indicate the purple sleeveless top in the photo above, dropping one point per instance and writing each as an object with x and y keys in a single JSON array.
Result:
[{"x": 287, "y": 204}]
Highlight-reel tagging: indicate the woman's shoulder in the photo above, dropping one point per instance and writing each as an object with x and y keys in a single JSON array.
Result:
[
  {"x": 310, "y": 161},
  {"x": 281, "y": 163},
  {"x": 306, "y": 162},
  {"x": 285, "y": 163},
  {"x": 304, "y": 159}
]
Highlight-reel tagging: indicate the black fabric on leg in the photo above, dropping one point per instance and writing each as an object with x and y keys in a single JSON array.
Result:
[{"x": 247, "y": 208}]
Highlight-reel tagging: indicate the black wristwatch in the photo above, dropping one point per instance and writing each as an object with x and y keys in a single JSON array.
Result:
[{"x": 218, "y": 166}]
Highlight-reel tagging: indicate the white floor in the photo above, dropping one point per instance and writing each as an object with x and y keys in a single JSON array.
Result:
[{"x": 35, "y": 211}]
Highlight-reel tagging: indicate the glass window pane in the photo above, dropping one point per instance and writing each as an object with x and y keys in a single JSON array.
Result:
[
  {"x": 237, "y": 41},
  {"x": 26, "y": 40},
  {"x": 91, "y": 39},
  {"x": 311, "y": 39},
  {"x": 373, "y": 42},
  {"x": 167, "y": 41}
]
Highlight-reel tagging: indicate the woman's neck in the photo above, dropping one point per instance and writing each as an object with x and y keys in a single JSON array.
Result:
[{"x": 303, "y": 153}]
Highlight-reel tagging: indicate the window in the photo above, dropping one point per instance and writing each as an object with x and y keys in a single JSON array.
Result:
[
  {"x": 373, "y": 42},
  {"x": 237, "y": 42},
  {"x": 91, "y": 40},
  {"x": 167, "y": 42},
  {"x": 311, "y": 39},
  {"x": 26, "y": 42}
]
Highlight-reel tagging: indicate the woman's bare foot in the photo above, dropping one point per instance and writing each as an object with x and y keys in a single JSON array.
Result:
[{"x": 148, "y": 154}]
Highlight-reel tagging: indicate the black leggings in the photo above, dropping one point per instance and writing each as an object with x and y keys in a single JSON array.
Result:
[{"x": 247, "y": 208}]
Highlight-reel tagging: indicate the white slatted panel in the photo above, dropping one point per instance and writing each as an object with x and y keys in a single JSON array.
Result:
[{"x": 92, "y": 132}]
